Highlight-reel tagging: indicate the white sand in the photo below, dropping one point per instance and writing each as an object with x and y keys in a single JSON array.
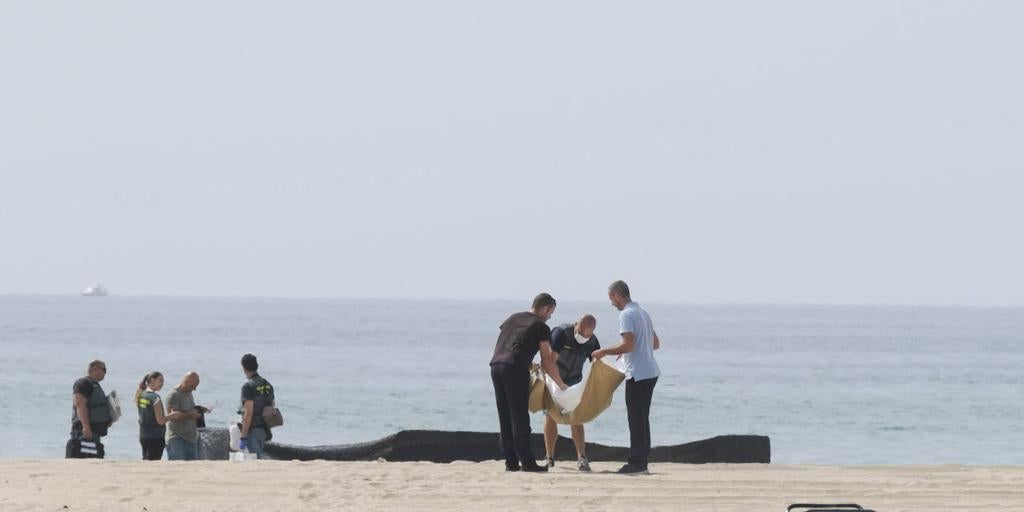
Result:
[{"x": 370, "y": 486}]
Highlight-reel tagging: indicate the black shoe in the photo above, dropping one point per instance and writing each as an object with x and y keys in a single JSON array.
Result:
[
  {"x": 535, "y": 469},
  {"x": 550, "y": 463},
  {"x": 511, "y": 469},
  {"x": 632, "y": 469}
]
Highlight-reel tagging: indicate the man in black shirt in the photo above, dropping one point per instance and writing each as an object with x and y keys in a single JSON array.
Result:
[
  {"x": 574, "y": 343},
  {"x": 257, "y": 395},
  {"x": 522, "y": 336}
]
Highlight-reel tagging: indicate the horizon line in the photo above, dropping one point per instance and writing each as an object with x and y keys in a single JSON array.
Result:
[{"x": 505, "y": 299}]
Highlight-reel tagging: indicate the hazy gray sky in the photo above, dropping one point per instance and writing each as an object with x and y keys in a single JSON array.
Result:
[{"x": 857, "y": 152}]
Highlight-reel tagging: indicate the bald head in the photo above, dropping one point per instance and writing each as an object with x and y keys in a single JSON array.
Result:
[
  {"x": 585, "y": 325},
  {"x": 189, "y": 382}
]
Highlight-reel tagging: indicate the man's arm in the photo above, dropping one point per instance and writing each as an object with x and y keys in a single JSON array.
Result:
[
  {"x": 624, "y": 347},
  {"x": 547, "y": 361},
  {"x": 181, "y": 415},
  {"x": 247, "y": 407},
  {"x": 175, "y": 414},
  {"x": 657, "y": 342},
  {"x": 83, "y": 414}
]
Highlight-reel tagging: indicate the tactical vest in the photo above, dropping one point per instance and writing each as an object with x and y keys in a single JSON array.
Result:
[
  {"x": 572, "y": 356},
  {"x": 148, "y": 427},
  {"x": 99, "y": 411},
  {"x": 264, "y": 397}
]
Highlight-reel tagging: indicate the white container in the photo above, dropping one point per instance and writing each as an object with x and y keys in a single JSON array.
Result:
[
  {"x": 235, "y": 435},
  {"x": 242, "y": 456}
]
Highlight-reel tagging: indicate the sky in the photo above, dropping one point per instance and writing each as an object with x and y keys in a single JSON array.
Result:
[{"x": 866, "y": 152}]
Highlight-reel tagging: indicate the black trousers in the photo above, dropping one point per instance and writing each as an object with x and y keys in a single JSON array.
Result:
[
  {"x": 152, "y": 449},
  {"x": 638, "y": 410},
  {"x": 512, "y": 395}
]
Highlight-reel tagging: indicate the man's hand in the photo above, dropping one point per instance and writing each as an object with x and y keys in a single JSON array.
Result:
[
  {"x": 87, "y": 433},
  {"x": 243, "y": 444},
  {"x": 597, "y": 354}
]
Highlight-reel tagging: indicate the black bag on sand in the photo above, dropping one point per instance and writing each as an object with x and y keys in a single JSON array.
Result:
[
  {"x": 78, "y": 448},
  {"x": 818, "y": 507}
]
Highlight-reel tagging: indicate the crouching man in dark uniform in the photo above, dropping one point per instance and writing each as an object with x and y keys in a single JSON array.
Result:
[
  {"x": 90, "y": 414},
  {"x": 574, "y": 344},
  {"x": 522, "y": 336}
]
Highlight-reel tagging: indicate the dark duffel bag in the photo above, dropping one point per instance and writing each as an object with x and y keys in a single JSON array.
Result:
[{"x": 78, "y": 448}]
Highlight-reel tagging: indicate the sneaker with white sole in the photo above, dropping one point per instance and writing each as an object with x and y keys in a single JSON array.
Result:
[{"x": 583, "y": 465}]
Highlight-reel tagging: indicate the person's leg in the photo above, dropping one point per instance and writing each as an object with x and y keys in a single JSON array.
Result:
[
  {"x": 505, "y": 438},
  {"x": 580, "y": 440},
  {"x": 175, "y": 448},
  {"x": 517, "y": 393},
  {"x": 648, "y": 396},
  {"x": 640, "y": 425},
  {"x": 257, "y": 441},
  {"x": 191, "y": 450},
  {"x": 69, "y": 449},
  {"x": 152, "y": 449},
  {"x": 633, "y": 417},
  {"x": 550, "y": 437}
]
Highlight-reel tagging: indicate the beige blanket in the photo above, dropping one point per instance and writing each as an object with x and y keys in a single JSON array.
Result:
[{"x": 597, "y": 394}]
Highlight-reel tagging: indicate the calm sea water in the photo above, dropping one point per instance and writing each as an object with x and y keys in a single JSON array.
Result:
[{"x": 838, "y": 385}]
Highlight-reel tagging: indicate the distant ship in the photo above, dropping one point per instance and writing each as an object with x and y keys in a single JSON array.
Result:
[{"x": 95, "y": 291}]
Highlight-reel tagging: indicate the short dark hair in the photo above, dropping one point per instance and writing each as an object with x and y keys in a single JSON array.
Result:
[
  {"x": 588, "y": 320},
  {"x": 543, "y": 300},
  {"x": 619, "y": 288},
  {"x": 249, "y": 363},
  {"x": 96, "y": 363}
]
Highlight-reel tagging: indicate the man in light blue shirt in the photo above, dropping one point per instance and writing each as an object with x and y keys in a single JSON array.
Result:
[{"x": 639, "y": 341}]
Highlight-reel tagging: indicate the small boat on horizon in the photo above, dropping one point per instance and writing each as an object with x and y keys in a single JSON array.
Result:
[{"x": 95, "y": 291}]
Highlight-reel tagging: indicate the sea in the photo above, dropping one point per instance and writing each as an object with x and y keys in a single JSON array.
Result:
[{"x": 827, "y": 384}]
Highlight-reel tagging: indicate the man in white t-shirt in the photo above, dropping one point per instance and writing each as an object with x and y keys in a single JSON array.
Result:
[{"x": 639, "y": 341}]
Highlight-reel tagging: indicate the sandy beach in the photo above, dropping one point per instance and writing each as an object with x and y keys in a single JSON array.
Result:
[{"x": 57, "y": 485}]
